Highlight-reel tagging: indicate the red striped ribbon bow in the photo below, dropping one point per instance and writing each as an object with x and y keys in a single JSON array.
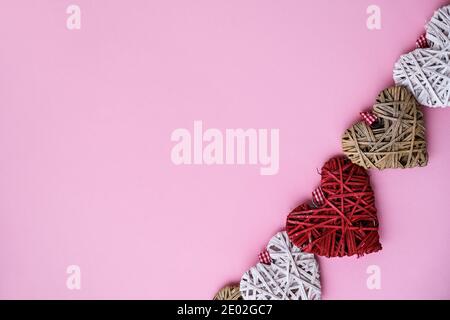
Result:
[
  {"x": 422, "y": 42},
  {"x": 318, "y": 197},
  {"x": 264, "y": 257},
  {"x": 368, "y": 117}
]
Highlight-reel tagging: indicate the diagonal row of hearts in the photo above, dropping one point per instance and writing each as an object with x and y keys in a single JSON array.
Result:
[{"x": 341, "y": 218}]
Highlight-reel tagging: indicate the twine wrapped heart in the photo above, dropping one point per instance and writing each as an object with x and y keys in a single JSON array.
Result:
[
  {"x": 292, "y": 275},
  {"x": 346, "y": 222},
  {"x": 426, "y": 72},
  {"x": 231, "y": 292},
  {"x": 399, "y": 139},
  {"x": 438, "y": 29}
]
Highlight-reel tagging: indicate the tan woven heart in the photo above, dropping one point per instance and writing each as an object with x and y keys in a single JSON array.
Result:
[
  {"x": 231, "y": 292},
  {"x": 399, "y": 140}
]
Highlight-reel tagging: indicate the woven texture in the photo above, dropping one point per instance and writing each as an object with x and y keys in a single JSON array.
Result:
[
  {"x": 292, "y": 275},
  {"x": 426, "y": 72},
  {"x": 438, "y": 29},
  {"x": 346, "y": 224},
  {"x": 229, "y": 293},
  {"x": 399, "y": 140}
]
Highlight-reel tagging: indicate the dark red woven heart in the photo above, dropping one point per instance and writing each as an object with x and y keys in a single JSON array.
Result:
[{"x": 346, "y": 224}]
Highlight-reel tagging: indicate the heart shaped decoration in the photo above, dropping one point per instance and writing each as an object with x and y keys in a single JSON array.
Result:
[
  {"x": 230, "y": 292},
  {"x": 292, "y": 274},
  {"x": 399, "y": 139},
  {"x": 345, "y": 222},
  {"x": 426, "y": 72},
  {"x": 438, "y": 29}
]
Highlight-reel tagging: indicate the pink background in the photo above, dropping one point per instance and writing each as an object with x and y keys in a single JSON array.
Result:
[{"x": 85, "y": 123}]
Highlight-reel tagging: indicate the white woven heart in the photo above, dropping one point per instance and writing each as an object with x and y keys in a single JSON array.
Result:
[
  {"x": 438, "y": 29},
  {"x": 292, "y": 275},
  {"x": 426, "y": 72}
]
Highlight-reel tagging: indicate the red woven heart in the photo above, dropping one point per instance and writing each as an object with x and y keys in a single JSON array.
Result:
[{"x": 346, "y": 224}]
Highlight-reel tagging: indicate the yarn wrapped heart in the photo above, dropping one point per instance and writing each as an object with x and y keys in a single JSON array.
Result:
[
  {"x": 426, "y": 72},
  {"x": 292, "y": 274},
  {"x": 346, "y": 222},
  {"x": 230, "y": 292},
  {"x": 398, "y": 141},
  {"x": 438, "y": 29}
]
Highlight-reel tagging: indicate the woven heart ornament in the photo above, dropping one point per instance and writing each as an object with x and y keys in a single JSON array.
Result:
[
  {"x": 230, "y": 292},
  {"x": 426, "y": 72},
  {"x": 345, "y": 222},
  {"x": 398, "y": 141},
  {"x": 292, "y": 274},
  {"x": 438, "y": 29}
]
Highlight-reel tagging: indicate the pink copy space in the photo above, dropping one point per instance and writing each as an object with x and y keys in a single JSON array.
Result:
[{"x": 85, "y": 123}]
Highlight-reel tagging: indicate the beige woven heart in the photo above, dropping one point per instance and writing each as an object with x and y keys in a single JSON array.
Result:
[
  {"x": 231, "y": 292},
  {"x": 400, "y": 140}
]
